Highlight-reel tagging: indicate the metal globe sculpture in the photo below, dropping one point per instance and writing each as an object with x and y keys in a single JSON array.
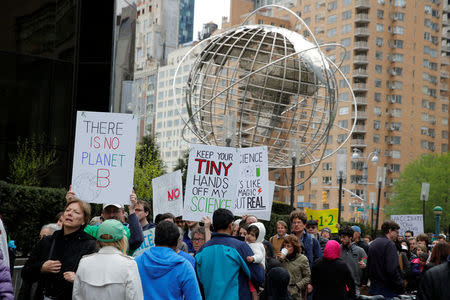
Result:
[{"x": 263, "y": 85}]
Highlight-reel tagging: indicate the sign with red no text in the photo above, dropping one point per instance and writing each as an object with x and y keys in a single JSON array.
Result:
[
  {"x": 168, "y": 194},
  {"x": 103, "y": 159}
]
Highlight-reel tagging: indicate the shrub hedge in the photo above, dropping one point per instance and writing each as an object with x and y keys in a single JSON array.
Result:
[{"x": 24, "y": 209}]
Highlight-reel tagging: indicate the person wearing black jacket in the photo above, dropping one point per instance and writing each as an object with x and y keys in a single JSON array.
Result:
[
  {"x": 55, "y": 259},
  {"x": 434, "y": 285},
  {"x": 330, "y": 276},
  {"x": 383, "y": 264}
]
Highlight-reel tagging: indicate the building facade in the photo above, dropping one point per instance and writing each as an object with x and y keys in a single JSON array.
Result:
[
  {"x": 396, "y": 58},
  {"x": 186, "y": 23}
]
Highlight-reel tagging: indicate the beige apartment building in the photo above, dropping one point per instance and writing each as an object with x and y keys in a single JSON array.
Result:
[{"x": 397, "y": 56}]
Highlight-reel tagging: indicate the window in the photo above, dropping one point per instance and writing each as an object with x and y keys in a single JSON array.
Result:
[
  {"x": 346, "y": 2},
  {"x": 343, "y": 123},
  {"x": 378, "y": 69},
  {"x": 327, "y": 166},
  {"x": 397, "y": 71},
  {"x": 398, "y": 57},
  {"x": 345, "y": 69},
  {"x": 332, "y": 5},
  {"x": 376, "y": 124},
  {"x": 326, "y": 180},
  {"x": 301, "y": 187},
  {"x": 343, "y": 110},
  {"x": 397, "y": 85},
  {"x": 399, "y": 16},
  {"x": 331, "y": 32},
  {"x": 345, "y": 55},
  {"x": 378, "y": 83},
  {"x": 397, "y": 44},
  {"x": 346, "y": 28},
  {"x": 376, "y": 138},
  {"x": 343, "y": 97},
  {"x": 396, "y": 99},
  {"x": 332, "y": 19},
  {"x": 346, "y": 15},
  {"x": 400, "y": 3},
  {"x": 445, "y": 107},
  {"x": 380, "y": 14},
  {"x": 307, "y": 8},
  {"x": 379, "y": 55},
  {"x": 398, "y": 30},
  {"x": 379, "y": 42},
  {"x": 377, "y": 110},
  {"x": 444, "y": 134},
  {"x": 380, "y": 27},
  {"x": 377, "y": 97},
  {"x": 314, "y": 180},
  {"x": 301, "y": 174},
  {"x": 346, "y": 42}
]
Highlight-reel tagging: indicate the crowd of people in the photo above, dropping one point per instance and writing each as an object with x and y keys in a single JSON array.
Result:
[{"x": 222, "y": 258}]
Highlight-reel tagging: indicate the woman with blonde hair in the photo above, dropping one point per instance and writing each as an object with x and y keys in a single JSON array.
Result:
[
  {"x": 55, "y": 259},
  {"x": 110, "y": 273}
]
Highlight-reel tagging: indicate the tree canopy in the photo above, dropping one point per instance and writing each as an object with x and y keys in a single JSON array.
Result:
[
  {"x": 148, "y": 165},
  {"x": 182, "y": 165},
  {"x": 405, "y": 198}
]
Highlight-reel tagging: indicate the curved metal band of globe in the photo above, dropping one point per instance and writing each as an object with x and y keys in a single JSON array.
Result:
[
  {"x": 189, "y": 122},
  {"x": 343, "y": 143},
  {"x": 208, "y": 70},
  {"x": 209, "y": 101}
]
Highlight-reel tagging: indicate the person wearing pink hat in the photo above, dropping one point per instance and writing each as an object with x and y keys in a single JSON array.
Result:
[{"x": 330, "y": 276}]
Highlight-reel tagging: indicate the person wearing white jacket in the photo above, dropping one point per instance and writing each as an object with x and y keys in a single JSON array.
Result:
[
  {"x": 255, "y": 236},
  {"x": 110, "y": 273}
]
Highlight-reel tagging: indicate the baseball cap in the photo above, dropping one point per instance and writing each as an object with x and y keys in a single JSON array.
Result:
[
  {"x": 112, "y": 227},
  {"x": 326, "y": 229},
  {"x": 356, "y": 228},
  {"x": 113, "y": 204}
]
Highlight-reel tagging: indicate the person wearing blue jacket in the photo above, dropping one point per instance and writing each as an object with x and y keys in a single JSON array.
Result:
[
  {"x": 165, "y": 274},
  {"x": 221, "y": 263},
  {"x": 310, "y": 245}
]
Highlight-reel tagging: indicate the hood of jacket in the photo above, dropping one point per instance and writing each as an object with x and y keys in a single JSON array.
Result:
[
  {"x": 262, "y": 231},
  {"x": 158, "y": 261},
  {"x": 332, "y": 250}
]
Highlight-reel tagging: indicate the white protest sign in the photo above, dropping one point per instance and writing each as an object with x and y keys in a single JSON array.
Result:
[
  {"x": 211, "y": 181},
  {"x": 253, "y": 192},
  {"x": 168, "y": 194},
  {"x": 409, "y": 222},
  {"x": 265, "y": 214},
  {"x": 149, "y": 241},
  {"x": 103, "y": 159}
]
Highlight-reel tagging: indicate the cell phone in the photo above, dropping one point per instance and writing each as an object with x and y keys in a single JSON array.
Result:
[{"x": 364, "y": 260}]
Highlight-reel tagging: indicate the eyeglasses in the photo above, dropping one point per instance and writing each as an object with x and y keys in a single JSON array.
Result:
[{"x": 197, "y": 240}]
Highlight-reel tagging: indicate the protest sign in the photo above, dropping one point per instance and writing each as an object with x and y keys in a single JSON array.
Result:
[
  {"x": 103, "y": 159},
  {"x": 409, "y": 222},
  {"x": 149, "y": 241},
  {"x": 211, "y": 180},
  {"x": 253, "y": 192},
  {"x": 324, "y": 217},
  {"x": 265, "y": 214},
  {"x": 168, "y": 194}
]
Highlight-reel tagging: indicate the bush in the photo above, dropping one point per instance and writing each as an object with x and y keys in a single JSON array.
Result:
[
  {"x": 281, "y": 208},
  {"x": 25, "y": 209}
]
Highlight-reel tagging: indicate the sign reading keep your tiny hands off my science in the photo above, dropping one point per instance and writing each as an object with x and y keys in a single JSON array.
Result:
[{"x": 103, "y": 163}]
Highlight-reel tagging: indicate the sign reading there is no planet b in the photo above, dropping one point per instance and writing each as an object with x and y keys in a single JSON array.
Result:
[
  {"x": 103, "y": 162},
  {"x": 168, "y": 194}
]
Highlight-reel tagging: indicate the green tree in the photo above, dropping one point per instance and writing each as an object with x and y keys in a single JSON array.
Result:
[
  {"x": 182, "y": 164},
  {"x": 148, "y": 165},
  {"x": 405, "y": 198},
  {"x": 32, "y": 161}
]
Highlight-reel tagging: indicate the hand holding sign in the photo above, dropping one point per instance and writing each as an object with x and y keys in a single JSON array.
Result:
[
  {"x": 70, "y": 194},
  {"x": 133, "y": 200}
]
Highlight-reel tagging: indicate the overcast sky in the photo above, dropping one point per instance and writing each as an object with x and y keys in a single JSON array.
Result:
[{"x": 209, "y": 10}]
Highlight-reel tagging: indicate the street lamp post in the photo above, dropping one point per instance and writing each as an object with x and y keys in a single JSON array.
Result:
[
  {"x": 340, "y": 196},
  {"x": 294, "y": 149},
  {"x": 355, "y": 156},
  {"x": 437, "y": 210}
]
